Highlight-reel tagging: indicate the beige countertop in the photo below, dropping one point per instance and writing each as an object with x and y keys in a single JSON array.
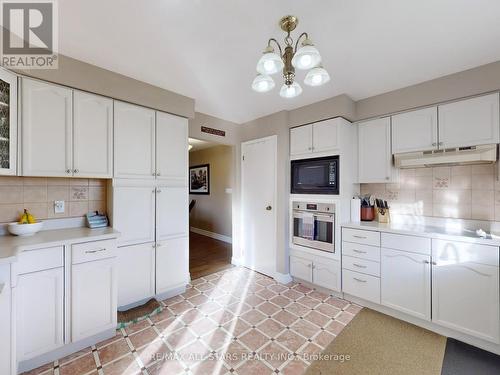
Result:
[{"x": 11, "y": 246}]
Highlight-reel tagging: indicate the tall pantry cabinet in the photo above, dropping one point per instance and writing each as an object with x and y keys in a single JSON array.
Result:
[{"x": 150, "y": 202}]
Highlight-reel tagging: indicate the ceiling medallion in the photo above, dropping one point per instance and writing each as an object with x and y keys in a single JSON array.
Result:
[{"x": 290, "y": 58}]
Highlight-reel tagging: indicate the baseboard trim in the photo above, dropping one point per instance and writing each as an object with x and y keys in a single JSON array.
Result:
[
  {"x": 237, "y": 261},
  {"x": 207, "y": 233},
  {"x": 283, "y": 278}
]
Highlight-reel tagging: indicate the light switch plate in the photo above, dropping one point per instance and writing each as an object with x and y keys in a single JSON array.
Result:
[{"x": 59, "y": 207}]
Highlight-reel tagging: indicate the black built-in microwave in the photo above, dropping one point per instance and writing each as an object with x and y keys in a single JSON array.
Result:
[{"x": 315, "y": 176}]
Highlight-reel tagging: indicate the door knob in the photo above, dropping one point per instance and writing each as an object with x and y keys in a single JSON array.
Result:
[{"x": 269, "y": 208}]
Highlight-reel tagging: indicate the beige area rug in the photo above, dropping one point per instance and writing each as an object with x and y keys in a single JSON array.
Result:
[{"x": 379, "y": 344}]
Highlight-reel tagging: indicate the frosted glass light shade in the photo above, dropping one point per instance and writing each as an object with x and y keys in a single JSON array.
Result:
[
  {"x": 262, "y": 83},
  {"x": 270, "y": 63},
  {"x": 290, "y": 91},
  {"x": 317, "y": 77},
  {"x": 306, "y": 57}
]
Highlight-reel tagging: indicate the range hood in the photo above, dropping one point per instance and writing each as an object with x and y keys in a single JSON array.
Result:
[{"x": 485, "y": 154}]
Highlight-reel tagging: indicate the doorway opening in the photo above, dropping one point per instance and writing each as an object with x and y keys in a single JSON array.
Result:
[{"x": 211, "y": 178}]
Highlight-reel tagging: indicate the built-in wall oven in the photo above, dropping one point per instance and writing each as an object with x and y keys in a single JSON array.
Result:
[
  {"x": 315, "y": 176},
  {"x": 314, "y": 225}
]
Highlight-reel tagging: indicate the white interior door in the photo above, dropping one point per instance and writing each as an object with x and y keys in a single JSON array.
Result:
[{"x": 258, "y": 186}]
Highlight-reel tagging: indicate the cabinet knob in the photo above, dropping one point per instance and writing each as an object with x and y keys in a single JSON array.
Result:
[
  {"x": 158, "y": 174},
  {"x": 158, "y": 191},
  {"x": 75, "y": 171},
  {"x": 68, "y": 171},
  {"x": 426, "y": 262},
  {"x": 153, "y": 174},
  {"x": 387, "y": 178},
  {"x": 269, "y": 208},
  {"x": 434, "y": 144},
  {"x": 440, "y": 143}
]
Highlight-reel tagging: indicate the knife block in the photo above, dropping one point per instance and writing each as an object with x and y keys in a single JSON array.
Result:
[{"x": 383, "y": 215}]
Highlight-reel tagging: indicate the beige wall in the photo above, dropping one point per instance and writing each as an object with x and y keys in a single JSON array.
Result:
[
  {"x": 37, "y": 194},
  {"x": 213, "y": 212}
]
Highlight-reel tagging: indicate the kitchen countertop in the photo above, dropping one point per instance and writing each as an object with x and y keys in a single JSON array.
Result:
[
  {"x": 433, "y": 231},
  {"x": 11, "y": 246}
]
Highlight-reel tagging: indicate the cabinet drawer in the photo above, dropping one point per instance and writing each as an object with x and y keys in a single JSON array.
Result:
[
  {"x": 364, "y": 237},
  {"x": 412, "y": 244},
  {"x": 361, "y": 265},
  {"x": 360, "y": 285},
  {"x": 361, "y": 251},
  {"x": 88, "y": 251},
  {"x": 40, "y": 259}
]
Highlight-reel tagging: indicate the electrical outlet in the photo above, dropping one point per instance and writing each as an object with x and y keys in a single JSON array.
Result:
[{"x": 59, "y": 207}]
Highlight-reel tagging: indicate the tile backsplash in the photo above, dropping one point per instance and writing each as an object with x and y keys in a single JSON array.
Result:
[
  {"x": 38, "y": 194},
  {"x": 464, "y": 192}
]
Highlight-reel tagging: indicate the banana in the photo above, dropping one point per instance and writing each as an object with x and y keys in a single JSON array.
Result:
[
  {"x": 31, "y": 218},
  {"x": 24, "y": 217}
]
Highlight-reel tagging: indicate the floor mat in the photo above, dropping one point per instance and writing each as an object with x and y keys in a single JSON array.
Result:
[
  {"x": 374, "y": 343},
  {"x": 138, "y": 313},
  {"x": 464, "y": 359}
]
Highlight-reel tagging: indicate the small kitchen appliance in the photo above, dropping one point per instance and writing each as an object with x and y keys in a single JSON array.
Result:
[
  {"x": 314, "y": 225},
  {"x": 315, "y": 176}
]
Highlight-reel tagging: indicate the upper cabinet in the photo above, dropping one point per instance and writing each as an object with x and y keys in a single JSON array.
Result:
[
  {"x": 8, "y": 123},
  {"x": 47, "y": 113},
  {"x": 65, "y": 132},
  {"x": 469, "y": 122},
  {"x": 375, "y": 158},
  {"x": 134, "y": 141},
  {"x": 92, "y": 135},
  {"x": 415, "y": 131},
  {"x": 312, "y": 139},
  {"x": 171, "y": 147}
]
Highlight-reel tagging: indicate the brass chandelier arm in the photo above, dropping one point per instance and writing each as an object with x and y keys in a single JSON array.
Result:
[
  {"x": 298, "y": 40},
  {"x": 276, "y": 42}
]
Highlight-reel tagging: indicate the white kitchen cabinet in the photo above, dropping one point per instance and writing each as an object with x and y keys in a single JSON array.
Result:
[
  {"x": 326, "y": 273},
  {"x": 8, "y": 123},
  {"x": 301, "y": 268},
  {"x": 171, "y": 147},
  {"x": 406, "y": 282},
  {"x": 301, "y": 140},
  {"x": 465, "y": 289},
  {"x": 172, "y": 214},
  {"x": 40, "y": 317},
  {"x": 136, "y": 273},
  {"x": 172, "y": 264},
  {"x": 93, "y": 135},
  {"x": 375, "y": 157},
  {"x": 5, "y": 320},
  {"x": 47, "y": 138},
  {"x": 415, "y": 131},
  {"x": 469, "y": 122},
  {"x": 134, "y": 212},
  {"x": 361, "y": 285},
  {"x": 134, "y": 141},
  {"x": 93, "y": 298}
]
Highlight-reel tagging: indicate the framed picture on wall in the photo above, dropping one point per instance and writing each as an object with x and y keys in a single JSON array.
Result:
[{"x": 199, "y": 179}]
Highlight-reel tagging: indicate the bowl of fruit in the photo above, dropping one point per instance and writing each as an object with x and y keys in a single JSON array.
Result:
[{"x": 26, "y": 226}]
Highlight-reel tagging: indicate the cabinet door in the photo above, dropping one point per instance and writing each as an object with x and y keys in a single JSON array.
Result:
[
  {"x": 8, "y": 123},
  {"x": 301, "y": 268},
  {"x": 40, "y": 323},
  {"x": 465, "y": 291},
  {"x": 415, "y": 131},
  {"x": 46, "y": 129},
  {"x": 326, "y": 273},
  {"x": 134, "y": 214},
  {"x": 469, "y": 122},
  {"x": 375, "y": 158},
  {"x": 405, "y": 282},
  {"x": 171, "y": 147},
  {"x": 325, "y": 136},
  {"x": 92, "y": 135},
  {"x": 172, "y": 265},
  {"x": 5, "y": 320},
  {"x": 172, "y": 212},
  {"x": 301, "y": 140},
  {"x": 134, "y": 141},
  {"x": 136, "y": 273},
  {"x": 93, "y": 298}
]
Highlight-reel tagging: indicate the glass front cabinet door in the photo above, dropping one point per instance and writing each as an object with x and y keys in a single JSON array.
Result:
[{"x": 8, "y": 123}]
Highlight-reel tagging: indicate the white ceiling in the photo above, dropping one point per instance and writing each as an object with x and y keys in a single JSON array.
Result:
[{"x": 207, "y": 50}]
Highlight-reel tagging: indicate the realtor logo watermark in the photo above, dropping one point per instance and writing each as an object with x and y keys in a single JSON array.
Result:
[{"x": 29, "y": 34}]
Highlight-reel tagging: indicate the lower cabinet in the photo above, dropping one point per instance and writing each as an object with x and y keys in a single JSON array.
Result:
[
  {"x": 301, "y": 268},
  {"x": 5, "y": 320},
  {"x": 172, "y": 264},
  {"x": 321, "y": 271},
  {"x": 40, "y": 312},
  {"x": 136, "y": 273},
  {"x": 93, "y": 298},
  {"x": 361, "y": 285},
  {"x": 406, "y": 282}
]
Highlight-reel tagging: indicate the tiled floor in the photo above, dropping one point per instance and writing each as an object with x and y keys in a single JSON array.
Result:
[{"x": 235, "y": 321}]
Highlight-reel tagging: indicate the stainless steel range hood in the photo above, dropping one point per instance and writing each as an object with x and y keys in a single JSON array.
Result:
[{"x": 485, "y": 154}]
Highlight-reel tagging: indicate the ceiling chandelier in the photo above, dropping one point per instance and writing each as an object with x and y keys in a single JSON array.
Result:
[{"x": 292, "y": 57}]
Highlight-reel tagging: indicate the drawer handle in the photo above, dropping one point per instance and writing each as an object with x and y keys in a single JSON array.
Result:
[
  {"x": 357, "y": 236},
  {"x": 360, "y": 280},
  {"x": 359, "y": 251},
  {"x": 94, "y": 251},
  {"x": 358, "y": 265}
]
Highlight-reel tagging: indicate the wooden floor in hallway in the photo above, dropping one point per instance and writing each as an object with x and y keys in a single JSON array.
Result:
[{"x": 207, "y": 255}]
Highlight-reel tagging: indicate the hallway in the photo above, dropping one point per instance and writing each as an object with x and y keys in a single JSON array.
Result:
[{"x": 207, "y": 255}]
